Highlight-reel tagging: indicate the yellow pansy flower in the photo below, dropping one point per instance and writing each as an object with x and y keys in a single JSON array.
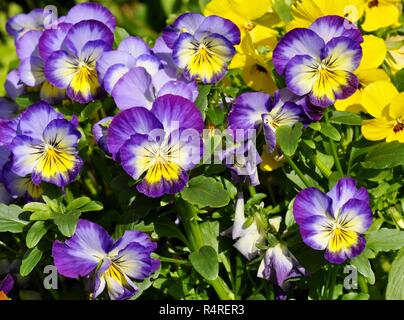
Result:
[
  {"x": 378, "y": 13},
  {"x": 254, "y": 60},
  {"x": 271, "y": 161},
  {"x": 374, "y": 51},
  {"x": 395, "y": 55},
  {"x": 386, "y": 104},
  {"x": 305, "y": 12}
]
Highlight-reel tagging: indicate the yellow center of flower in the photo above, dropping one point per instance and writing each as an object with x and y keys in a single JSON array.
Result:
[
  {"x": 261, "y": 68},
  {"x": 398, "y": 127},
  {"x": 249, "y": 25},
  {"x": 85, "y": 80},
  {"x": 341, "y": 238},
  {"x": 53, "y": 160},
  {"x": 115, "y": 273}
]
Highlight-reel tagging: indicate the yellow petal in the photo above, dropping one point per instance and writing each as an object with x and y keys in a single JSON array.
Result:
[
  {"x": 376, "y": 129},
  {"x": 369, "y": 76},
  {"x": 239, "y": 61},
  {"x": 395, "y": 136},
  {"x": 223, "y": 8},
  {"x": 258, "y": 76},
  {"x": 351, "y": 104},
  {"x": 377, "y": 96},
  {"x": 374, "y": 51},
  {"x": 251, "y": 9},
  {"x": 271, "y": 161},
  {"x": 397, "y": 106},
  {"x": 395, "y": 56},
  {"x": 380, "y": 16}
]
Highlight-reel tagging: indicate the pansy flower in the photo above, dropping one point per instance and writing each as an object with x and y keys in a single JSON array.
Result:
[
  {"x": 386, "y": 105},
  {"x": 44, "y": 145},
  {"x": 21, "y": 23},
  {"x": 135, "y": 76},
  {"x": 278, "y": 266},
  {"x": 5, "y": 286},
  {"x": 158, "y": 146},
  {"x": 92, "y": 253},
  {"x": 202, "y": 46},
  {"x": 100, "y": 130},
  {"x": 320, "y": 61},
  {"x": 72, "y": 54},
  {"x": 256, "y": 110},
  {"x": 334, "y": 221}
]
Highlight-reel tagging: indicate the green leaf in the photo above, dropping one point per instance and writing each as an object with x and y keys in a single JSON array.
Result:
[
  {"x": 119, "y": 35},
  {"x": 35, "y": 233},
  {"x": 205, "y": 192},
  {"x": 10, "y": 220},
  {"x": 355, "y": 296},
  {"x": 395, "y": 285},
  {"x": 363, "y": 266},
  {"x": 288, "y": 138},
  {"x": 92, "y": 206},
  {"x": 78, "y": 203},
  {"x": 30, "y": 260},
  {"x": 202, "y": 101},
  {"x": 216, "y": 115},
  {"x": 385, "y": 155},
  {"x": 398, "y": 80},
  {"x": 90, "y": 111},
  {"x": 206, "y": 262},
  {"x": 67, "y": 222},
  {"x": 210, "y": 232},
  {"x": 26, "y": 100},
  {"x": 385, "y": 240},
  {"x": 165, "y": 228},
  {"x": 329, "y": 131},
  {"x": 255, "y": 199},
  {"x": 348, "y": 118}
]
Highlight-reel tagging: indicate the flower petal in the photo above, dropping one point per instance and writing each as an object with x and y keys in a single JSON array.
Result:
[
  {"x": 221, "y": 26},
  {"x": 339, "y": 257},
  {"x": 311, "y": 202},
  {"x": 135, "y": 46},
  {"x": 356, "y": 215},
  {"x": 31, "y": 71},
  {"x": 51, "y": 40},
  {"x": 187, "y": 22},
  {"x": 80, "y": 255},
  {"x": 27, "y": 45}
]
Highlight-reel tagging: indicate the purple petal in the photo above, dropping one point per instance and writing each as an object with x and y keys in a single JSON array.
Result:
[
  {"x": 150, "y": 63},
  {"x": 31, "y": 71},
  {"x": 22, "y": 23},
  {"x": 177, "y": 112},
  {"x": 343, "y": 191},
  {"x": 110, "y": 58},
  {"x": 187, "y": 90},
  {"x": 7, "y": 108},
  {"x": 344, "y": 54},
  {"x": 329, "y": 27},
  {"x": 100, "y": 130},
  {"x": 128, "y": 123},
  {"x": 80, "y": 255},
  {"x": 36, "y": 118},
  {"x": 187, "y": 22},
  {"x": 8, "y": 131},
  {"x": 315, "y": 231},
  {"x": 5, "y": 196},
  {"x": 135, "y": 46},
  {"x": 85, "y": 31},
  {"x": 13, "y": 85},
  {"x": 27, "y": 45},
  {"x": 311, "y": 202},
  {"x": 7, "y": 283},
  {"x": 52, "y": 39},
  {"x": 296, "y": 42},
  {"x": 301, "y": 74},
  {"x": 356, "y": 215},
  {"x": 112, "y": 76},
  {"x": 248, "y": 109},
  {"x": 60, "y": 69},
  {"x": 133, "y": 236},
  {"x": 133, "y": 89},
  {"x": 219, "y": 25},
  {"x": 91, "y": 11}
]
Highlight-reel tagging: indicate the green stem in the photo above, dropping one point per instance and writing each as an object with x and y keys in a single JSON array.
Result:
[
  {"x": 189, "y": 216},
  {"x": 252, "y": 190},
  {"x": 334, "y": 273},
  {"x": 171, "y": 260},
  {"x": 334, "y": 151},
  {"x": 298, "y": 171}
]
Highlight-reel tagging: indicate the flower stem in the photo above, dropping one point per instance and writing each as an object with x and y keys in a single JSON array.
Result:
[
  {"x": 334, "y": 151},
  {"x": 189, "y": 216},
  {"x": 171, "y": 260},
  {"x": 298, "y": 171}
]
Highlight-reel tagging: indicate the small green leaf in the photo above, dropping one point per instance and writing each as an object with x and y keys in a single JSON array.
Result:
[
  {"x": 78, "y": 203},
  {"x": 395, "y": 285},
  {"x": 67, "y": 222},
  {"x": 385, "y": 240},
  {"x": 202, "y": 100},
  {"x": 205, "y": 192},
  {"x": 355, "y": 296},
  {"x": 288, "y": 138},
  {"x": 329, "y": 131},
  {"x": 30, "y": 260},
  {"x": 363, "y": 265},
  {"x": 205, "y": 262},
  {"x": 92, "y": 206},
  {"x": 282, "y": 8},
  {"x": 385, "y": 155},
  {"x": 90, "y": 111},
  {"x": 10, "y": 220},
  {"x": 348, "y": 118},
  {"x": 35, "y": 233}
]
